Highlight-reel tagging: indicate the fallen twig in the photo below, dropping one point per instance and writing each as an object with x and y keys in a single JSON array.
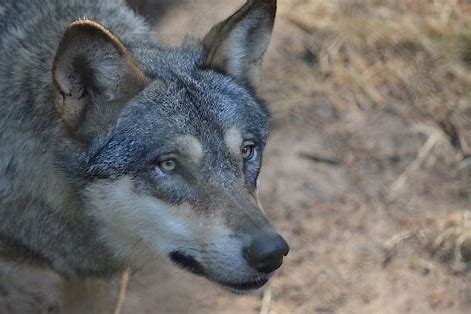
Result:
[
  {"x": 266, "y": 301},
  {"x": 401, "y": 181},
  {"x": 123, "y": 286}
]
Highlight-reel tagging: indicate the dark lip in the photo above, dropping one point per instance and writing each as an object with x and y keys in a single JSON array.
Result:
[
  {"x": 187, "y": 262},
  {"x": 190, "y": 264},
  {"x": 246, "y": 285}
]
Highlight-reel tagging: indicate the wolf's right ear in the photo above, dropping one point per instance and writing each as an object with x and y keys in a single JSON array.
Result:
[{"x": 92, "y": 68}]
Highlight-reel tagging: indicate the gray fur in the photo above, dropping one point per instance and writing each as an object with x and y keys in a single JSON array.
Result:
[{"x": 45, "y": 216}]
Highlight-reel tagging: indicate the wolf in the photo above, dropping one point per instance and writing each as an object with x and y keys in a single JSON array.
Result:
[{"x": 115, "y": 149}]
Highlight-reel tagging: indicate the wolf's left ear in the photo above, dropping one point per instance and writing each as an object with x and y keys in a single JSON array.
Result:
[
  {"x": 93, "y": 75},
  {"x": 236, "y": 46}
]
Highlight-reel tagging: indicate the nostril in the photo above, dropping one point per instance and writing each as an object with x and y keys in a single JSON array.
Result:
[{"x": 266, "y": 252}]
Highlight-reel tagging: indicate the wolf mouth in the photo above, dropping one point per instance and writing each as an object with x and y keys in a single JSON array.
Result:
[
  {"x": 254, "y": 284},
  {"x": 190, "y": 264}
]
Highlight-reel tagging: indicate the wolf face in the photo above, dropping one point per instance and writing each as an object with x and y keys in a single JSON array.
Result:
[{"x": 169, "y": 157}]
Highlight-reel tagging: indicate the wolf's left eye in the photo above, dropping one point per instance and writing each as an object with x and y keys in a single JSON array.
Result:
[
  {"x": 248, "y": 150},
  {"x": 167, "y": 165}
]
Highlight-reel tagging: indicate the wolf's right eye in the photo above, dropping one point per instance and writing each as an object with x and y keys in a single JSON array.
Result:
[{"x": 167, "y": 165}]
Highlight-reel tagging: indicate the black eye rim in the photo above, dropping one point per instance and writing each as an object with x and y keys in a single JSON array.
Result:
[{"x": 253, "y": 150}]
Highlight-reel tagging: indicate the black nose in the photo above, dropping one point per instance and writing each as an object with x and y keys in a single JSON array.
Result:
[{"x": 266, "y": 252}]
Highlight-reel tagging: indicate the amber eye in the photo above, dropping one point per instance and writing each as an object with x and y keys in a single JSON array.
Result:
[
  {"x": 167, "y": 165},
  {"x": 248, "y": 150}
]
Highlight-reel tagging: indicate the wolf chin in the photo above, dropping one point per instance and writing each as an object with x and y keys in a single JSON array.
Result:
[{"x": 115, "y": 149}]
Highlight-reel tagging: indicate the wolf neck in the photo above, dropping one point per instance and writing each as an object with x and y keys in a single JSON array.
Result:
[{"x": 41, "y": 215}]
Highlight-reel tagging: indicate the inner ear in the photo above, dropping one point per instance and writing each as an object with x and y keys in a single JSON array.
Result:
[{"x": 93, "y": 69}]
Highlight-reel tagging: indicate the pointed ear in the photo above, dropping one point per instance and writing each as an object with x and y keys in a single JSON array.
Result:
[
  {"x": 92, "y": 69},
  {"x": 236, "y": 46}
]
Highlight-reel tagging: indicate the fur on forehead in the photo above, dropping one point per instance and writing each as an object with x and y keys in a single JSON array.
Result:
[
  {"x": 181, "y": 71},
  {"x": 194, "y": 101},
  {"x": 166, "y": 63}
]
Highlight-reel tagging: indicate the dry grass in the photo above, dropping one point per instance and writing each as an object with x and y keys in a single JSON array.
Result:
[{"x": 413, "y": 55}]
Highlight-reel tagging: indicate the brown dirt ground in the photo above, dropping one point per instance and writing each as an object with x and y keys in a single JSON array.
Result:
[{"x": 357, "y": 246}]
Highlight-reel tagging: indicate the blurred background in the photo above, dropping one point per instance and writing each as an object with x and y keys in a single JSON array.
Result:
[{"x": 368, "y": 170}]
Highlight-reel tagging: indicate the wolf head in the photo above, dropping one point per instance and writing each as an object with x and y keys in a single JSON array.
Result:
[{"x": 168, "y": 160}]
